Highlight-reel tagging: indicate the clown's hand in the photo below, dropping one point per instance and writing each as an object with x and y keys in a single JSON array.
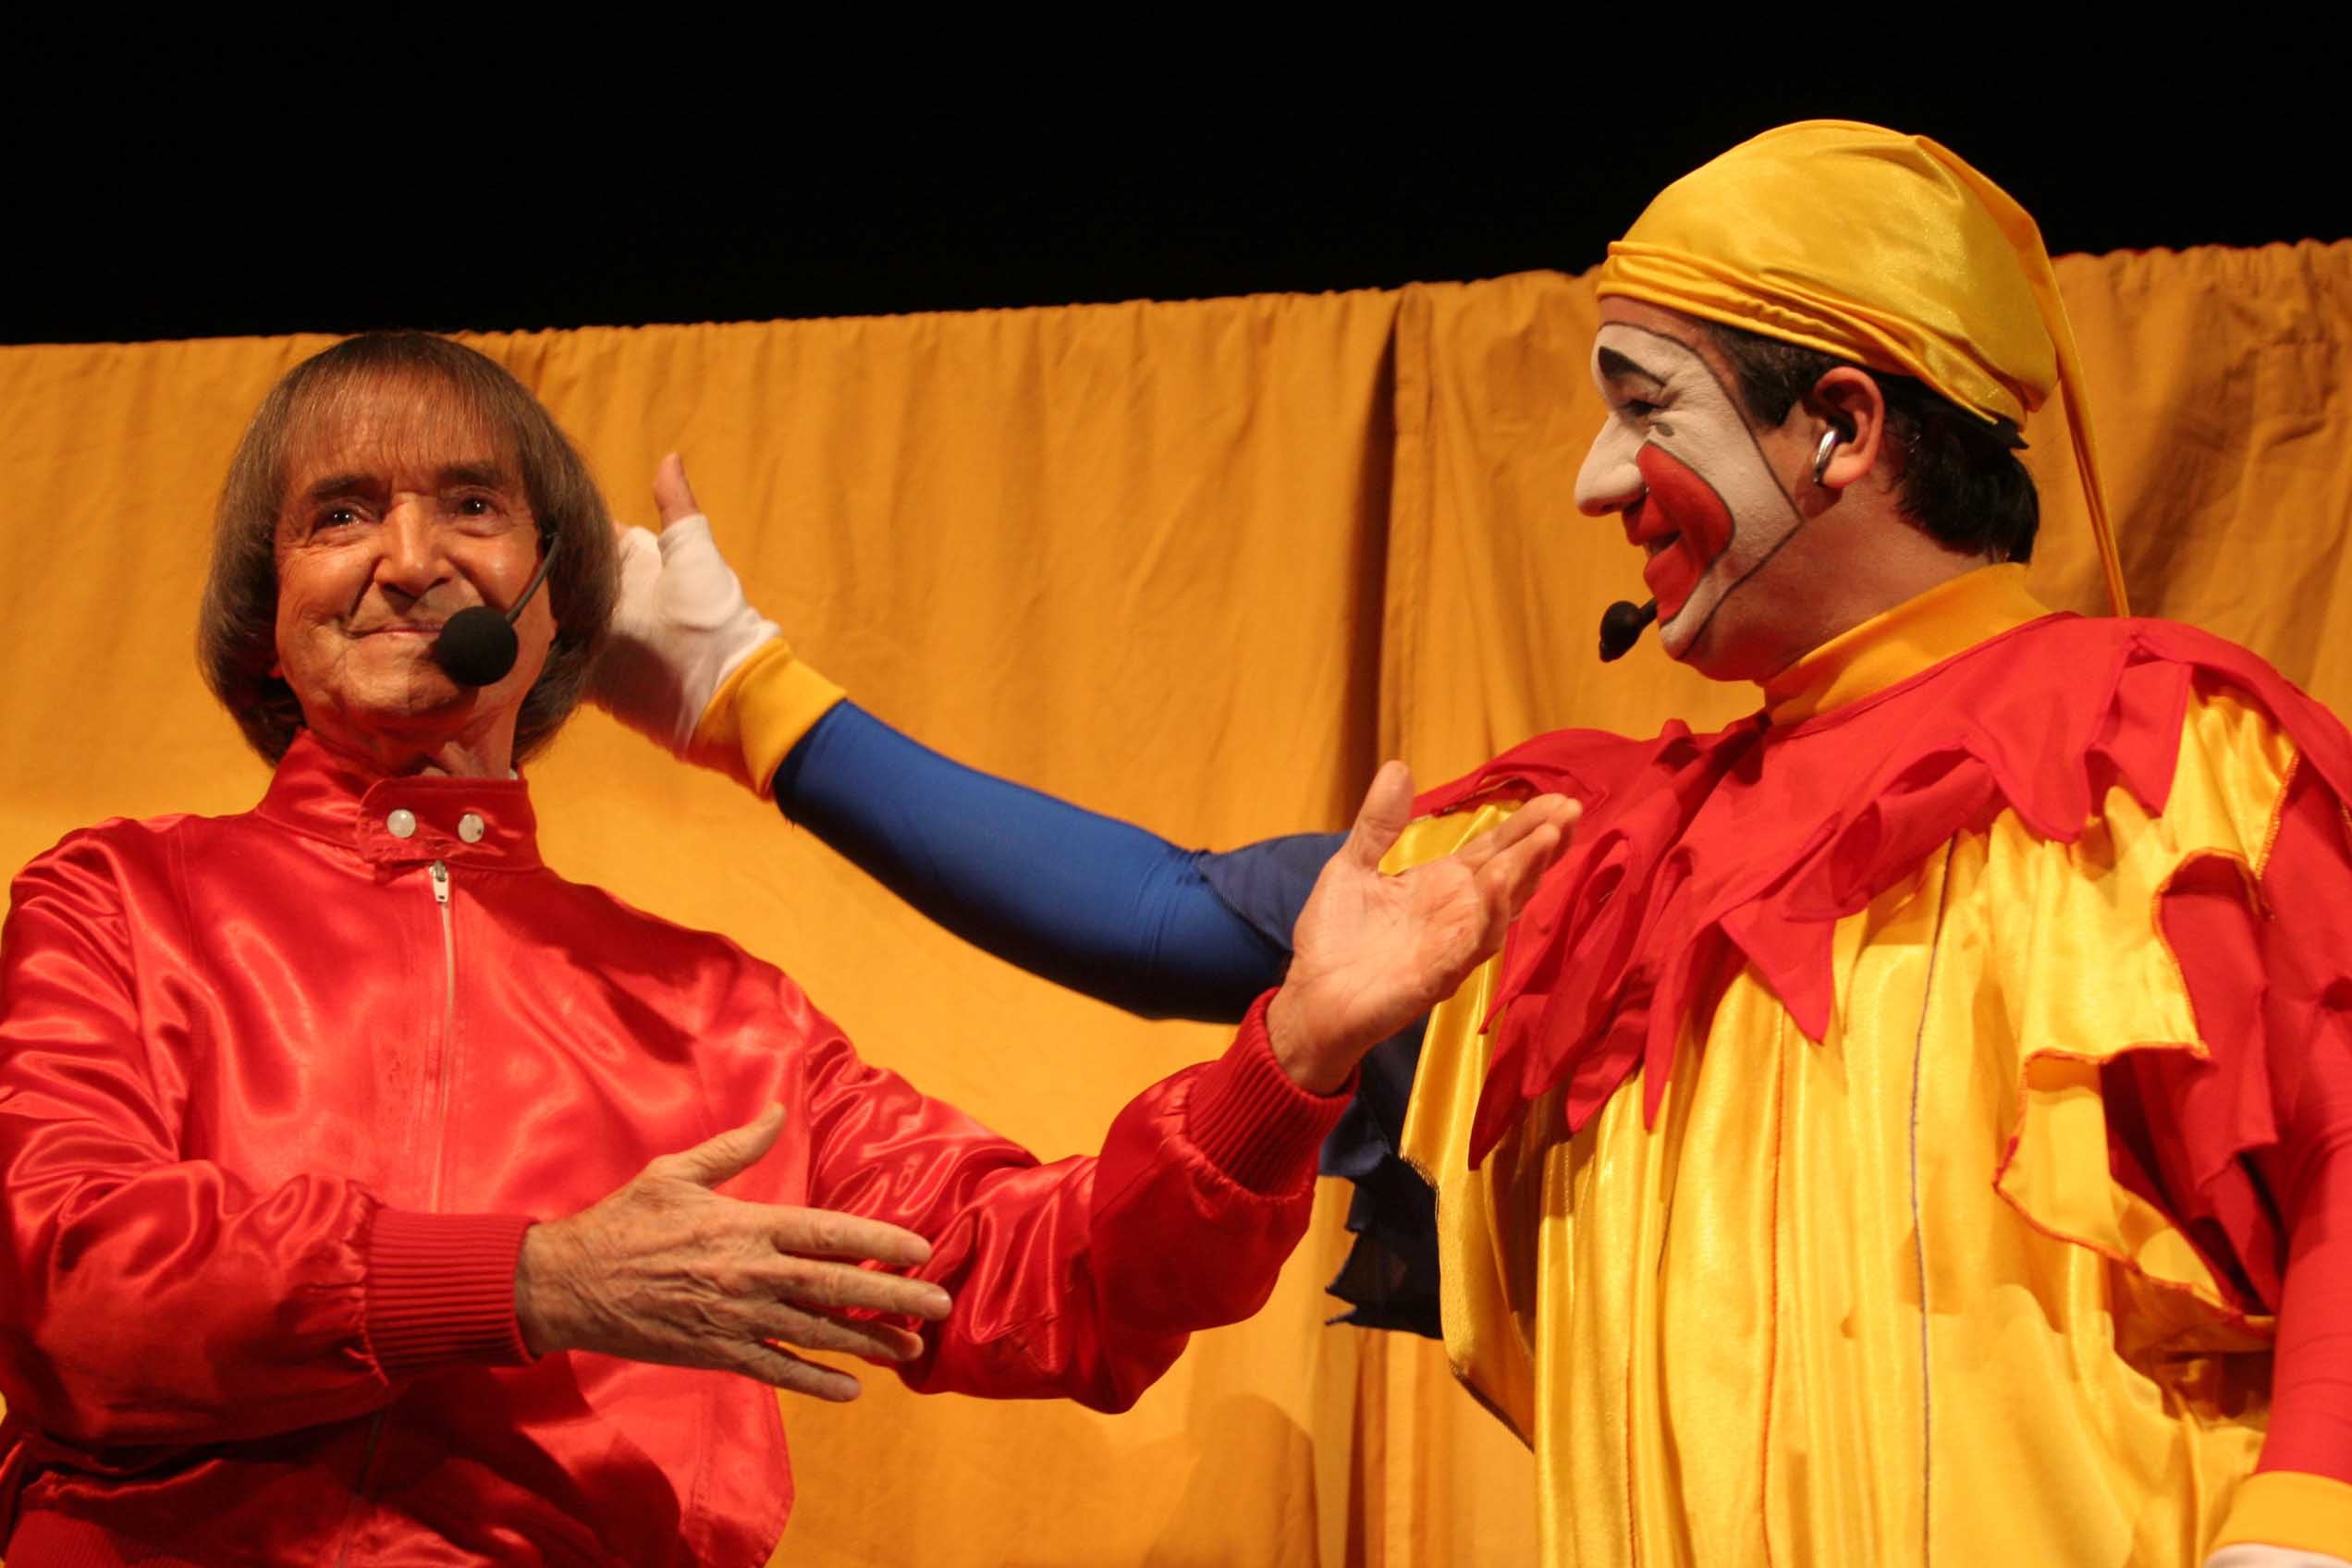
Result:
[
  {"x": 683, "y": 625},
  {"x": 1372, "y": 951},
  {"x": 2248, "y": 1555},
  {"x": 682, "y": 631}
]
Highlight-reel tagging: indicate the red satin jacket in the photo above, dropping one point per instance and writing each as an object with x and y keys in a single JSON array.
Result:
[{"x": 280, "y": 1094}]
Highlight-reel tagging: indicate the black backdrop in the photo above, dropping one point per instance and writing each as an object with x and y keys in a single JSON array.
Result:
[{"x": 333, "y": 193}]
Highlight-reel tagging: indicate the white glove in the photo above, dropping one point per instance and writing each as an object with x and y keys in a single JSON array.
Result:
[
  {"x": 2249, "y": 1555},
  {"x": 683, "y": 625}
]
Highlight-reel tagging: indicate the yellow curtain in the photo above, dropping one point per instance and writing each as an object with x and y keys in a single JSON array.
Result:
[{"x": 1200, "y": 565}]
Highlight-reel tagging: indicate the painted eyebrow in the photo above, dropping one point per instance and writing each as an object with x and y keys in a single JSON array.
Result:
[{"x": 1615, "y": 366}]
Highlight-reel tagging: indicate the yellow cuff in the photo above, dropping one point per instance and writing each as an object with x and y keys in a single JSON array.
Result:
[
  {"x": 2290, "y": 1509},
  {"x": 758, "y": 714}
]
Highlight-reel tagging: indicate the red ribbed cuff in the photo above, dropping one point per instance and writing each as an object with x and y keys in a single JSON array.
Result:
[
  {"x": 441, "y": 1290},
  {"x": 1251, "y": 1120}
]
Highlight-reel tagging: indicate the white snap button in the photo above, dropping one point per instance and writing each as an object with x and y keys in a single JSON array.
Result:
[
  {"x": 470, "y": 827},
  {"x": 401, "y": 824}
]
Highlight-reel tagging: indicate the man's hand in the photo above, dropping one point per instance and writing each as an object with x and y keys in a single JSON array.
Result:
[
  {"x": 683, "y": 624},
  {"x": 666, "y": 1270},
  {"x": 1371, "y": 953}
]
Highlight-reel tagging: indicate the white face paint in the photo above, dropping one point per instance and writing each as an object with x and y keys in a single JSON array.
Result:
[{"x": 1678, "y": 462}]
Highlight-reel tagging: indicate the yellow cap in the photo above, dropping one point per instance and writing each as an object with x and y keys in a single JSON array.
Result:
[{"x": 1879, "y": 248}]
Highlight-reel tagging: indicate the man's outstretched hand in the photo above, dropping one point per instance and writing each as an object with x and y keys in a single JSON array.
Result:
[
  {"x": 666, "y": 1270},
  {"x": 683, "y": 624},
  {"x": 1373, "y": 952}
]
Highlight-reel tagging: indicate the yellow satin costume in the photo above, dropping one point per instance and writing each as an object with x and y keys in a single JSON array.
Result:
[{"x": 1818, "y": 1312}]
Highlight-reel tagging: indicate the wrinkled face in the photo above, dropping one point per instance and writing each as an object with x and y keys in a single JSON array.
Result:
[
  {"x": 395, "y": 516},
  {"x": 1695, "y": 487}
]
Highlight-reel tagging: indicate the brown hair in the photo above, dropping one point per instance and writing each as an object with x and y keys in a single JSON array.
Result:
[
  {"x": 236, "y": 634},
  {"x": 1959, "y": 479}
]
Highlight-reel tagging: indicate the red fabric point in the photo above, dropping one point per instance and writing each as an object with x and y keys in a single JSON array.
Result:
[{"x": 1765, "y": 839}]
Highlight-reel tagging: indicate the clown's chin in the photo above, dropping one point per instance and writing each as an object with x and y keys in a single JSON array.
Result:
[
  {"x": 1679, "y": 633},
  {"x": 1686, "y": 635}
]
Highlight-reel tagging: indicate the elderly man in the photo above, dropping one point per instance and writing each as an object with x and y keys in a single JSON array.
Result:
[
  {"x": 1913, "y": 1123},
  {"x": 360, "y": 1172}
]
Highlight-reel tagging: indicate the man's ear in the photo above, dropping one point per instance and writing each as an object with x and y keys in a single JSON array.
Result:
[{"x": 1850, "y": 401}]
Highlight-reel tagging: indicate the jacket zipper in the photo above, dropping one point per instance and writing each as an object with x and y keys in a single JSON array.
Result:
[{"x": 438, "y": 874}]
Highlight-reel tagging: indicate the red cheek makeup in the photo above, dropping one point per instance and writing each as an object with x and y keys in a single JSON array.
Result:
[{"x": 1683, "y": 507}]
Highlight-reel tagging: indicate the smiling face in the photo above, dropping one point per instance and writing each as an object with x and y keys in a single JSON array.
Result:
[
  {"x": 395, "y": 516},
  {"x": 1698, "y": 488}
]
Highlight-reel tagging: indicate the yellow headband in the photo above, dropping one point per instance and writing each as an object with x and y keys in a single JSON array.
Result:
[{"x": 1879, "y": 248}]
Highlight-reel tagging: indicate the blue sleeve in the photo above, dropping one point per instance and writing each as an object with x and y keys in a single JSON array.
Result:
[
  {"x": 1084, "y": 900},
  {"x": 1123, "y": 915}
]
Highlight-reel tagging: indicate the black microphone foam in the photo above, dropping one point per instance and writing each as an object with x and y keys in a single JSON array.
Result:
[
  {"x": 1620, "y": 627},
  {"x": 476, "y": 647}
]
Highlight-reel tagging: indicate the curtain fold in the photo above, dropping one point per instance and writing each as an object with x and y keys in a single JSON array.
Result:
[{"x": 1201, "y": 565}]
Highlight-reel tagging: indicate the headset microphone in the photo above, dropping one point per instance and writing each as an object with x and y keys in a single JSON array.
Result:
[
  {"x": 1620, "y": 627},
  {"x": 477, "y": 645}
]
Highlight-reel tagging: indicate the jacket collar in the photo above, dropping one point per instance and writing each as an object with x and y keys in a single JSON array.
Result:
[
  {"x": 409, "y": 820},
  {"x": 1892, "y": 648}
]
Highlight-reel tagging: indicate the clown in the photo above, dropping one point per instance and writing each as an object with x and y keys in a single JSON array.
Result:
[{"x": 1906, "y": 1125}]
